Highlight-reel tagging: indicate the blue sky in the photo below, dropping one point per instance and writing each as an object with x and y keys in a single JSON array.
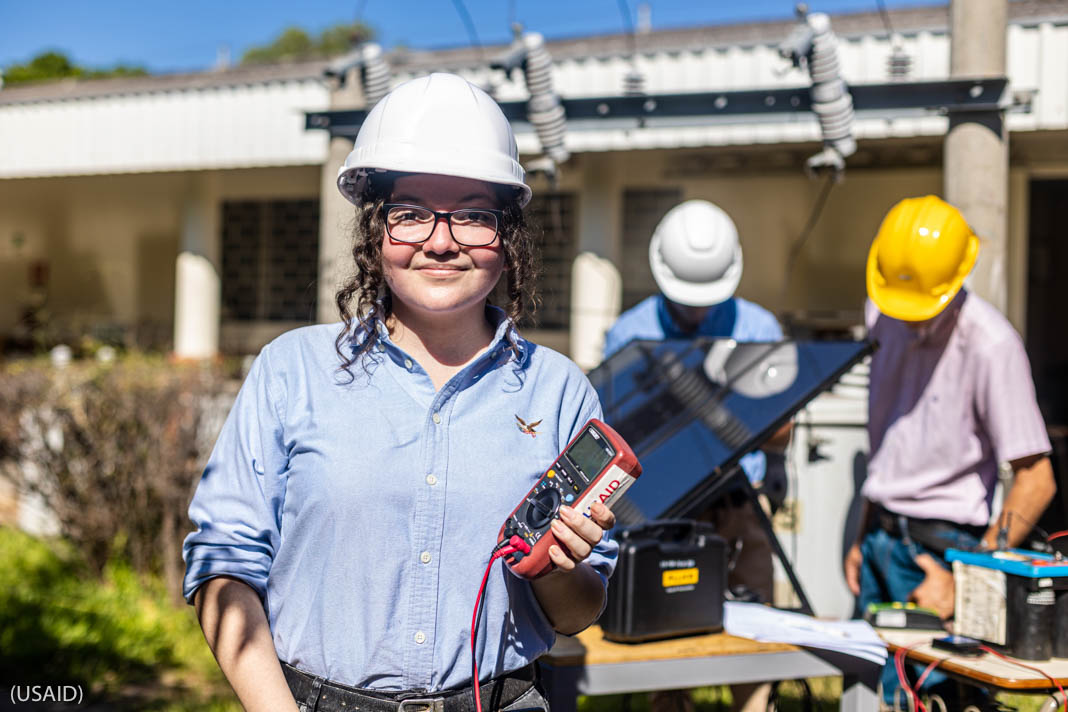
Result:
[{"x": 186, "y": 35}]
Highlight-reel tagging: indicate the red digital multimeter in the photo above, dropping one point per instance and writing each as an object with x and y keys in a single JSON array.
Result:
[{"x": 596, "y": 466}]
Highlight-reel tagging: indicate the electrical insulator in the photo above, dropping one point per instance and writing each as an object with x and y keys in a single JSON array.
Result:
[
  {"x": 814, "y": 46},
  {"x": 634, "y": 83},
  {"x": 544, "y": 110},
  {"x": 375, "y": 74},
  {"x": 898, "y": 64}
]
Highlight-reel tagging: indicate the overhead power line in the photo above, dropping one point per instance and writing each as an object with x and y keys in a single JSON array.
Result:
[{"x": 469, "y": 24}]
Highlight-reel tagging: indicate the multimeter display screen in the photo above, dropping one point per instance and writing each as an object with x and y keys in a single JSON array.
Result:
[{"x": 589, "y": 455}]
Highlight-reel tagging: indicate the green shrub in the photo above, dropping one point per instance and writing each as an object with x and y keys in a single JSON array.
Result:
[
  {"x": 59, "y": 624},
  {"x": 115, "y": 449}
]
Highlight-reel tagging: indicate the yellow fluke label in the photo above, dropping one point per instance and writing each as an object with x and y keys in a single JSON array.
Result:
[{"x": 679, "y": 577}]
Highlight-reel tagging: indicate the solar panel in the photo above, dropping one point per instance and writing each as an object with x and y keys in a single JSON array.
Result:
[{"x": 691, "y": 409}]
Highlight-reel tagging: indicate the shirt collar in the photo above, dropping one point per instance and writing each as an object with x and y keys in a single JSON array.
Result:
[
  {"x": 937, "y": 328},
  {"x": 505, "y": 333},
  {"x": 671, "y": 329}
]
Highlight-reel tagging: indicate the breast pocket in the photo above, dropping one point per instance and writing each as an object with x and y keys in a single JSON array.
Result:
[{"x": 937, "y": 430}]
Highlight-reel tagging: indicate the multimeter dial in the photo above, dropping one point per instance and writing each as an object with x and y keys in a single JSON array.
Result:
[{"x": 543, "y": 507}]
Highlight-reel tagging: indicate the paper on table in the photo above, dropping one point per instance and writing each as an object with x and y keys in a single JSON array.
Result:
[{"x": 759, "y": 622}]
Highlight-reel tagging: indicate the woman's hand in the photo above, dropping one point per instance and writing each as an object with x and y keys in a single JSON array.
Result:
[
  {"x": 572, "y": 594},
  {"x": 578, "y": 534}
]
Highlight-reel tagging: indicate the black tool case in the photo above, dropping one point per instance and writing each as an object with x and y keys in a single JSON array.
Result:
[{"x": 669, "y": 581}]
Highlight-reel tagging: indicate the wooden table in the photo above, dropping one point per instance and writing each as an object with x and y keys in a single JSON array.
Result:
[
  {"x": 590, "y": 665},
  {"x": 985, "y": 670}
]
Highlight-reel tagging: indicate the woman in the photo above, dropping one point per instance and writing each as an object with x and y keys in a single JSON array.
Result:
[{"x": 349, "y": 508}]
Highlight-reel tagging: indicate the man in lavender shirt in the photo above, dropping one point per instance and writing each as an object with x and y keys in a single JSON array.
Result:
[{"x": 951, "y": 397}]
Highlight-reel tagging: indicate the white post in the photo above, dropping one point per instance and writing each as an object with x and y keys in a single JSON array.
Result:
[
  {"x": 596, "y": 294},
  {"x": 198, "y": 289}
]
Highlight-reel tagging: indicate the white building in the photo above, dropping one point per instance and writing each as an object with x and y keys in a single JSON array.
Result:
[{"x": 187, "y": 210}]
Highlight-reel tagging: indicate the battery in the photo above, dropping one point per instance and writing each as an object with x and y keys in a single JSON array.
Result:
[
  {"x": 669, "y": 581},
  {"x": 1016, "y": 600},
  {"x": 1060, "y": 625}
]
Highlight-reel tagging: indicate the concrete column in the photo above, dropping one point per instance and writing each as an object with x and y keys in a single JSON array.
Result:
[
  {"x": 336, "y": 214},
  {"x": 977, "y": 145},
  {"x": 596, "y": 287},
  {"x": 198, "y": 291},
  {"x": 336, "y": 221}
]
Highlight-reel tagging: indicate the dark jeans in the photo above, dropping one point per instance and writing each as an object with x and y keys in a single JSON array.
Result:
[{"x": 889, "y": 573}]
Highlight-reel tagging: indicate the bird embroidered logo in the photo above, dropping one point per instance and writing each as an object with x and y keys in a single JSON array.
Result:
[{"x": 526, "y": 427}]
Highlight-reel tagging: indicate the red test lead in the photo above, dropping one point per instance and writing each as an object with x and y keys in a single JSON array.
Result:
[{"x": 596, "y": 466}]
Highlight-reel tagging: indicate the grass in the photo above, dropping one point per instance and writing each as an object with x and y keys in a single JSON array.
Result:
[{"x": 121, "y": 638}]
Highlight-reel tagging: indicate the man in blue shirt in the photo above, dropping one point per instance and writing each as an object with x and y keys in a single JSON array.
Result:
[{"x": 696, "y": 260}]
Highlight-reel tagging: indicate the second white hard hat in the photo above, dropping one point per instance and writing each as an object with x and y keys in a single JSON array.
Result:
[
  {"x": 440, "y": 124},
  {"x": 695, "y": 255}
]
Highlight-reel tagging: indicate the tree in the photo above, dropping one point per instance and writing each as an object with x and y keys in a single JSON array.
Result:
[
  {"x": 340, "y": 38},
  {"x": 294, "y": 44},
  {"x": 56, "y": 65}
]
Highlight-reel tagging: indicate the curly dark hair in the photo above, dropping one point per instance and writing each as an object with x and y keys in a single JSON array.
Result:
[{"x": 364, "y": 298}]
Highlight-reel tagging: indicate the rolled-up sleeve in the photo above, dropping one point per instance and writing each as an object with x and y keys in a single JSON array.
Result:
[
  {"x": 237, "y": 507},
  {"x": 1006, "y": 402}
]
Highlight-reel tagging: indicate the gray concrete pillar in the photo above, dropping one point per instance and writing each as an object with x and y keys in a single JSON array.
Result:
[
  {"x": 198, "y": 289},
  {"x": 336, "y": 214},
  {"x": 977, "y": 144},
  {"x": 336, "y": 222}
]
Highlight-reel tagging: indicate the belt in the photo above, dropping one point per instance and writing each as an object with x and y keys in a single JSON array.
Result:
[
  {"x": 931, "y": 533},
  {"x": 322, "y": 695}
]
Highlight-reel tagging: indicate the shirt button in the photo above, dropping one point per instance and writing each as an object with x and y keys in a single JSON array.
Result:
[
  {"x": 437, "y": 419},
  {"x": 408, "y": 363},
  {"x": 420, "y": 637},
  {"x": 431, "y": 480},
  {"x": 425, "y": 557}
]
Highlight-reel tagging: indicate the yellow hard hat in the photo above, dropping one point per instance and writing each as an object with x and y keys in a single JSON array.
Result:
[{"x": 920, "y": 258}]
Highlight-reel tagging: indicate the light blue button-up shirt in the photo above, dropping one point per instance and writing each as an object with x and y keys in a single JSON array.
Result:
[
  {"x": 363, "y": 512},
  {"x": 736, "y": 318}
]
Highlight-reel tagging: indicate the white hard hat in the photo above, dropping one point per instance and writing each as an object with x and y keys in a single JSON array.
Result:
[
  {"x": 440, "y": 124},
  {"x": 695, "y": 255}
]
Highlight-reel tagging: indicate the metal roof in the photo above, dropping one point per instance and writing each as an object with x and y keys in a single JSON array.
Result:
[
  {"x": 222, "y": 126},
  {"x": 253, "y": 116}
]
